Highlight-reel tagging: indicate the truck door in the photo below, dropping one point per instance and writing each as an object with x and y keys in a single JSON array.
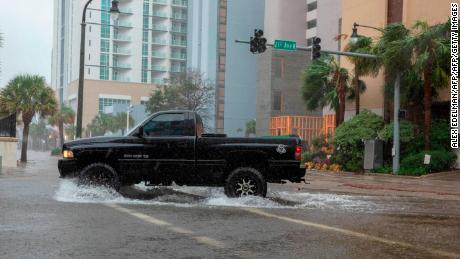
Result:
[{"x": 169, "y": 144}]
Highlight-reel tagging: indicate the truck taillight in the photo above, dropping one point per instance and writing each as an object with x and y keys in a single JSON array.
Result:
[{"x": 298, "y": 153}]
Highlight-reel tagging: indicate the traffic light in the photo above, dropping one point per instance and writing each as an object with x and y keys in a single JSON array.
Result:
[
  {"x": 258, "y": 44},
  {"x": 316, "y": 48}
]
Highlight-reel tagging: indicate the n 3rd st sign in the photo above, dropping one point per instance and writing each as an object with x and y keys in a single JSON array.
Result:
[{"x": 285, "y": 45}]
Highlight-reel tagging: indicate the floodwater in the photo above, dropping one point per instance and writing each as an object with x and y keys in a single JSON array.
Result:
[{"x": 69, "y": 191}]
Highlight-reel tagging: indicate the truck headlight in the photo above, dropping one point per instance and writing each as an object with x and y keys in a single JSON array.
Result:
[{"x": 67, "y": 154}]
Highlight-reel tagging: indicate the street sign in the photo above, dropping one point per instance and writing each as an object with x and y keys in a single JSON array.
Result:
[{"x": 285, "y": 45}]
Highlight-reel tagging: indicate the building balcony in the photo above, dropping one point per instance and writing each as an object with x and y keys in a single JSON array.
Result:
[
  {"x": 121, "y": 65},
  {"x": 179, "y": 16},
  {"x": 160, "y": 2},
  {"x": 178, "y": 29},
  {"x": 177, "y": 69},
  {"x": 158, "y": 54},
  {"x": 158, "y": 81},
  {"x": 160, "y": 41},
  {"x": 180, "y": 56},
  {"x": 160, "y": 14},
  {"x": 157, "y": 27},
  {"x": 122, "y": 24},
  {"x": 121, "y": 37},
  {"x": 121, "y": 51},
  {"x": 179, "y": 43},
  {"x": 121, "y": 78},
  {"x": 159, "y": 69},
  {"x": 124, "y": 10},
  {"x": 179, "y": 3}
]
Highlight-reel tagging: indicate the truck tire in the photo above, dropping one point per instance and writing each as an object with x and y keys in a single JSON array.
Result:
[
  {"x": 99, "y": 174},
  {"x": 245, "y": 181}
]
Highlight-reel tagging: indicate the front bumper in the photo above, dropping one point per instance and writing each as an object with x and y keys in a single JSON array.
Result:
[{"x": 67, "y": 167}]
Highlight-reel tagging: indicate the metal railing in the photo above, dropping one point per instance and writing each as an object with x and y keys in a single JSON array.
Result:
[{"x": 8, "y": 125}]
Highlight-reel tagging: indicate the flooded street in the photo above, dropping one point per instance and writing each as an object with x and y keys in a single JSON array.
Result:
[{"x": 43, "y": 216}]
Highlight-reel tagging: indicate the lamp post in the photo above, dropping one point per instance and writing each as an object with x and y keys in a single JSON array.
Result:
[
  {"x": 396, "y": 145},
  {"x": 130, "y": 109},
  {"x": 114, "y": 12}
]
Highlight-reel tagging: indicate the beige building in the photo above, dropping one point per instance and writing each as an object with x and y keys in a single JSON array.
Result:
[
  {"x": 377, "y": 14},
  {"x": 100, "y": 95}
]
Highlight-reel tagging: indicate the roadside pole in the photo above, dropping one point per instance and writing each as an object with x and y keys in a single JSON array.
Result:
[{"x": 397, "y": 104}]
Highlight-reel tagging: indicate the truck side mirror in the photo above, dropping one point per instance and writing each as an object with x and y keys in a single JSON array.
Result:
[{"x": 139, "y": 132}]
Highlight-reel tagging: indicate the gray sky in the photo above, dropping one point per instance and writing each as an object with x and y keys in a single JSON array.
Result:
[{"x": 27, "y": 28}]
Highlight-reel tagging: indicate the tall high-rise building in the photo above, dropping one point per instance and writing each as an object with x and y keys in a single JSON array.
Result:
[
  {"x": 214, "y": 26},
  {"x": 280, "y": 72},
  {"x": 124, "y": 59}
]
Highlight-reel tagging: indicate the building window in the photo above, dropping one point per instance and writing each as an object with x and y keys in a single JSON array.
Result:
[
  {"x": 105, "y": 45},
  {"x": 146, "y": 7},
  {"x": 311, "y": 24},
  {"x": 145, "y": 49},
  {"x": 104, "y": 67},
  {"x": 310, "y": 41},
  {"x": 107, "y": 102},
  {"x": 312, "y": 6},
  {"x": 104, "y": 73},
  {"x": 277, "y": 100},
  {"x": 278, "y": 67},
  {"x": 145, "y": 66},
  {"x": 145, "y": 36}
]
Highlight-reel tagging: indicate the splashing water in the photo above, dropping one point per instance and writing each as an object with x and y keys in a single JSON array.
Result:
[{"x": 69, "y": 191}]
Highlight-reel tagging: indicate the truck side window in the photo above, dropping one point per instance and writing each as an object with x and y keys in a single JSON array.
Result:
[{"x": 169, "y": 124}]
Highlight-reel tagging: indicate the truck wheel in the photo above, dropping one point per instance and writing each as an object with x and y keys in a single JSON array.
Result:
[
  {"x": 99, "y": 174},
  {"x": 245, "y": 181}
]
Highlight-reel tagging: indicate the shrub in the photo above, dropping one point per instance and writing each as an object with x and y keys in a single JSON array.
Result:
[
  {"x": 307, "y": 157},
  {"x": 349, "y": 136},
  {"x": 406, "y": 130},
  {"x": 385, "y": 169},
  {"x": 440, "y": 160},
  {"x": 412, "y": 170},
  {"x": 440, "y": 139},
  {"x": 55, "y": 151}
]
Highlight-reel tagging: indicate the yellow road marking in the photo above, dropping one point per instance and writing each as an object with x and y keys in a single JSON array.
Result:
[{"x": 352, "y": 233}]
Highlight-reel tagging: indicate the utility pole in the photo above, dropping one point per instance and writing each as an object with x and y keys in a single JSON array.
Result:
[
  {"x": 395, "y": 152},
  {"x": 130, "y": 108}
]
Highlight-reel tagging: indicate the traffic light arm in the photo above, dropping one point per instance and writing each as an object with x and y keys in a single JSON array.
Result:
[{"x": 341, "y": 53}]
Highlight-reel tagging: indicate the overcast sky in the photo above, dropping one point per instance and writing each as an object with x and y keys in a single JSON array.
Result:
[{"x": 27, "y": 29}]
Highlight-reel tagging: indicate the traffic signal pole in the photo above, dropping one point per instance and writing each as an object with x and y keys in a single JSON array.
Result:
[{"x": 342, "y": 53}]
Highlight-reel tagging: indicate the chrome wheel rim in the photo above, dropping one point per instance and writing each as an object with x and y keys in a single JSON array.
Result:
[{"x": 245, "y": 187}]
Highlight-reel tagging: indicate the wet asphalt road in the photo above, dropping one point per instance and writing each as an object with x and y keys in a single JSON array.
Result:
[{"x": 42, "y": 216}]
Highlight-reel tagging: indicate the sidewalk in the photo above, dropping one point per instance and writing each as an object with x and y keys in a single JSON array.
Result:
[{"x": 445, "y": 186}]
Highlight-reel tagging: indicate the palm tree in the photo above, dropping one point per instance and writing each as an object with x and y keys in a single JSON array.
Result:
[
  {"x": 70, "y": 131},
  {"x": 119, "y": 122},
  {"x": 362, "y": 66},
  {"x": 64, "y": 116},
  {"x": 325, "y": 83},
  {"x": 101, "y": 124},
  {"x": 27, "y": 95},
  {"x": 431, "y": 59}
]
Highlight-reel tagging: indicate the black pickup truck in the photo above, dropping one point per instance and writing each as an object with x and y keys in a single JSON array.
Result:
[{"x": 171, "y": 146}]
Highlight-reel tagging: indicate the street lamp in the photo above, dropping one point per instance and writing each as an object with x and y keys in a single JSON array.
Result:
[
  {"x": 396, "y": 147},
  {"x": 114, "y": 11},
  {"x": 354, "y": 35}
]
